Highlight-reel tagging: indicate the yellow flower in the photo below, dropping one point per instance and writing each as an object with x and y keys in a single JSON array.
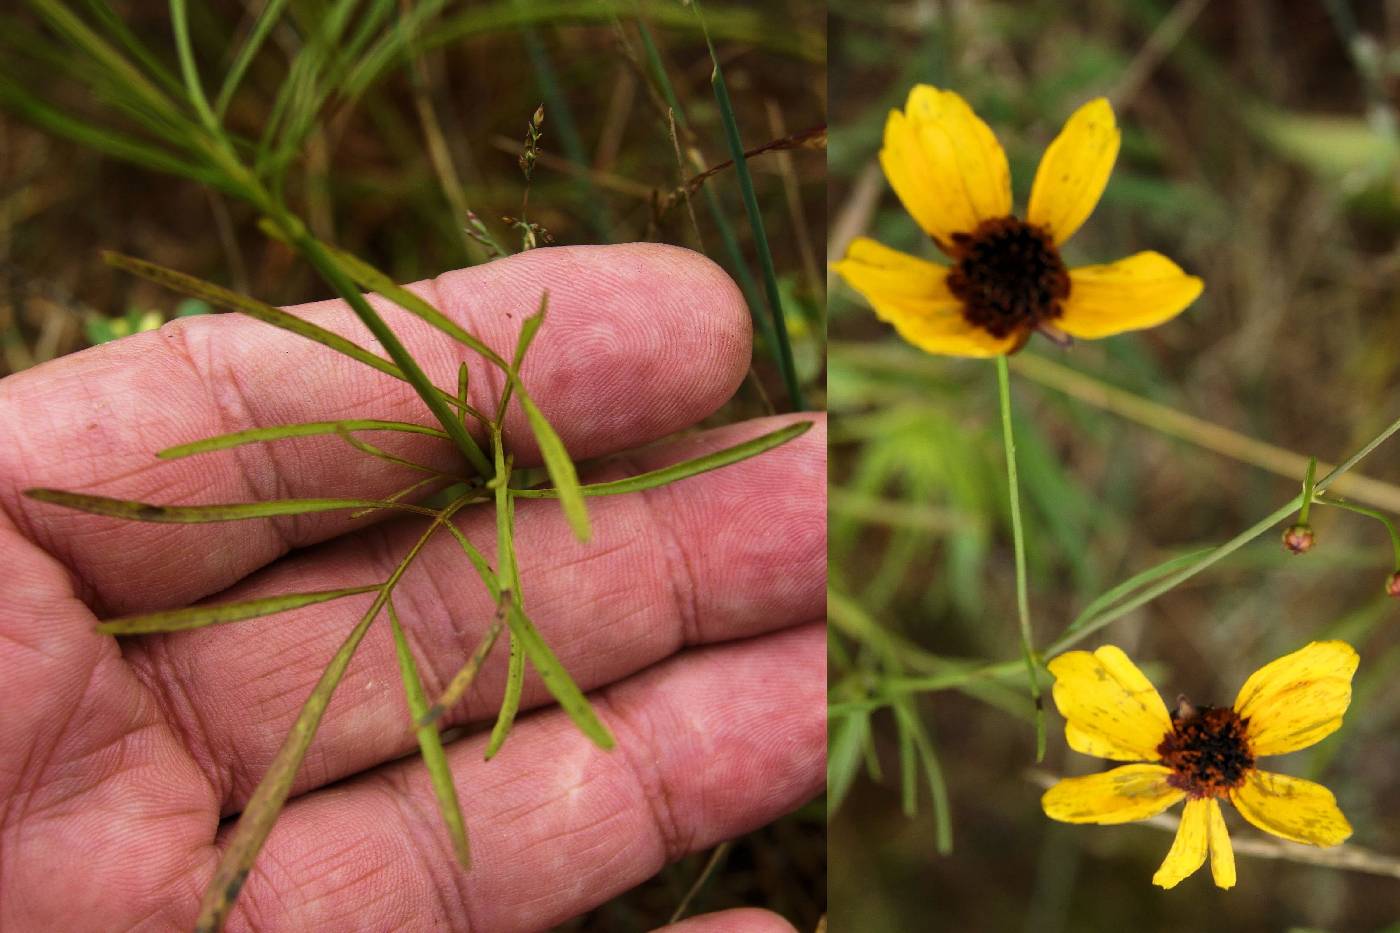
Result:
[
  {"x": 1202, "y": 754},
  {"x": 1008, "y": 279}
]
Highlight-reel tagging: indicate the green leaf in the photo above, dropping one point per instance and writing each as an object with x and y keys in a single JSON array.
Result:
[
  {"x": 909, "y": 724},
  {"x": 266, "y": 803},
  {"x": 224, "y": 298},
  {"x": 848, "y": 735},
  {"x": 512, "y": 594},
  {"x": 262, "y": 26},
  {"x": 1150, "y": 575},
  {"x": 305, "y": 429},
  {"x": 560, "y": 467},
  {"x": 557, "y": 680},
  {"x": 198, "y": 514},
  {"x": 175, "y": 620},
  {"x": 430, "y": 744},
  {"x": 461, "y": 682},
  {"x": 683, "y": 470},
  {"x": 528, "y": 329},
  {"x": 510, "y": 700}
]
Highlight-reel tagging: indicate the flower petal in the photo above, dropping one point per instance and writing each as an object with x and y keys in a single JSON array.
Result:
[
  {"x": 1292, "y": 808},
  {"x": 1222, "y": 854},
  {"x": 913, "y": 295},
  {"x": 1298, "y": 699},
  {"x": 1074, "y": 170},
  {"x": 1132, "y": 792},
  {"x": 1143, "y": 290},
  {"x": 1111, "y": 709},
  {"x": 1188, "y": 851},
  {"x": 945, "y": 164}
]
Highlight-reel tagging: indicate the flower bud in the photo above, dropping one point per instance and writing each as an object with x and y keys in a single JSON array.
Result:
[
  {"x": 1392, "y": 585},
  {"x": 1298, "y": 539}
]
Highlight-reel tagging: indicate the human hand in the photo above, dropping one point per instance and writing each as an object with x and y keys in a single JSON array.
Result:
[{"x": 691, "y": 615}]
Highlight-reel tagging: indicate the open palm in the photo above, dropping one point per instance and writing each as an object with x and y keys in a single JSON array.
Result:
[{"x": 692, "y": 615}]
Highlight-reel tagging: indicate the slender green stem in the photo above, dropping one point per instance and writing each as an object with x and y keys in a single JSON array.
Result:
[
  {"x": 193, "y": 88},
  {"x": 1377, "y": 514},
  {"x": 1023, "y": 607},
  {"x": 312, "y": 249},
  {"x": 999, "y": 669}
]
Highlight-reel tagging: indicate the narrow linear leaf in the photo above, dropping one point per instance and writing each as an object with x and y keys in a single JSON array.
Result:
[
  {"x": 557, "y": 679},
  {"x": 280, "y": 432},
  {"x": 380, "y": 453},
  {"x": 512, "y": 594},
  {"x": 737, "y": 265},
  {"x": 510, "y": 700},
  {"x": 1146, "y": 577},
  {"x": 436, "y": 399},
  {"x": 271, "y": 793},
  {"x": 367, "y": 276},
  {"x": 198, "y": 514},
  {"x": 233, "y": 301},
  {"x": 399, "y": 494},
  {"x": 262, "y": 26},
  {"x": 683, "y": 470},
  {"x": 755, "y": 217},
  {"x": 560, "y": 467},
  {"x": 462, "y": 681},
  {"x": 430, "y": 744},
  {"x": 265, "y": 804},
  {"x": 933, "y": 774},
  {"x": 176, "y": 620},
  {"x": 528, "y": 329},
  {"x": 848, "y": 735}
]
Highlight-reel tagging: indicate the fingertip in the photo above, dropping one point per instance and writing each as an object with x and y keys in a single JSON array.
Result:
[
  {"x": 738, "y": 920},
  {"x": 642, "y": 339}
]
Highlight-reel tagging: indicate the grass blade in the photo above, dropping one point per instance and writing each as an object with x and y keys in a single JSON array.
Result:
[
  {"x": 737, "y": 265},
  {"x": 678, "y": 471},
  {"x": 760, "y": 236},
  {"x": 198, "y": 514},
  {"x": 280, "y": 432},
  {"x": 430, "y": 744},
  {"x": 176, "y": 620},
  {"x": 115, "y": 144}
]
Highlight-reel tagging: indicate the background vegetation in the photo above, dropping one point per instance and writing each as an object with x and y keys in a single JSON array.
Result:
[
  {"x": 1260, "y": 152},
  {"x": 389, "y": 168}
]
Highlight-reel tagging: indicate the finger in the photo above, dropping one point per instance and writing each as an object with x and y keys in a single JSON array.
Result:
[
  {"x": 723, "y": 555},
  {"x": 711, "y": 744},
  {"x": 640, "y": 341},
  {"x": 740, "y": 920}
]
